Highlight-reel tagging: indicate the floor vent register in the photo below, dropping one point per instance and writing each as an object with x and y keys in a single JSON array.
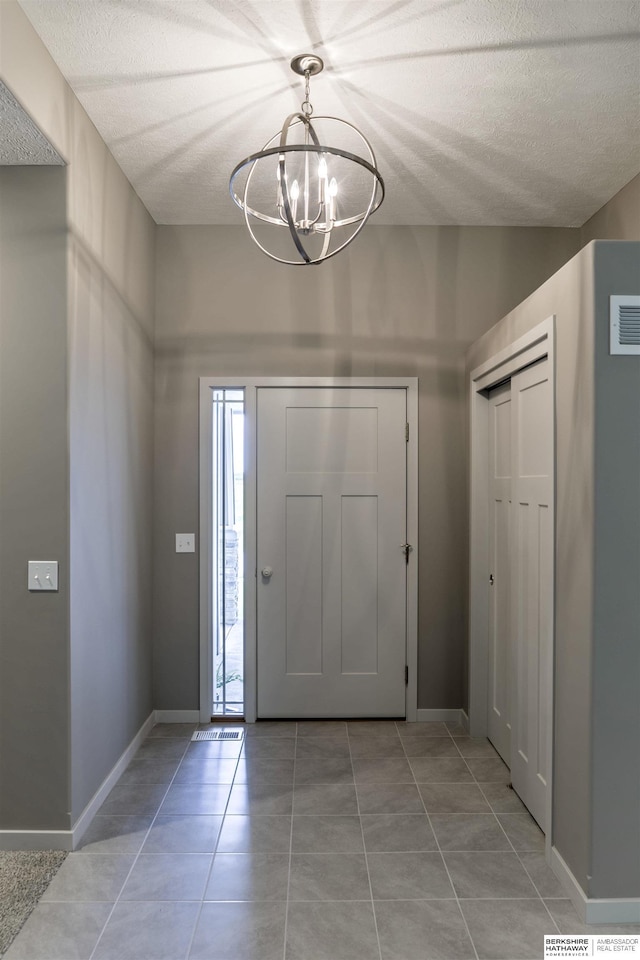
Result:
[{"x": 217, "y": 735}]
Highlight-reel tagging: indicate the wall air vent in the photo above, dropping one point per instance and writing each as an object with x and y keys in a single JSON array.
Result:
[{"x": 624, "y": 325}]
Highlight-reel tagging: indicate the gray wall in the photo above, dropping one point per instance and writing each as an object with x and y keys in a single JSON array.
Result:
[
  {"x": 596, "y": 787},
  {"x": 111, "y": 458},
  {"x": 102, "y": 424},
  {"x": 400, "y": 302},
  {"x": 615, "y": 722},
  {"x": 34, "y": 627}
]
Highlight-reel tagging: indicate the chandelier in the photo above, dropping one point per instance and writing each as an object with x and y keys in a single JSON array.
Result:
[{"x": 319, "y": 196}]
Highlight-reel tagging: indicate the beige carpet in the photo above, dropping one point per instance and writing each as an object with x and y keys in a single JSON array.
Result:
[{"x": 24, "y": 877}]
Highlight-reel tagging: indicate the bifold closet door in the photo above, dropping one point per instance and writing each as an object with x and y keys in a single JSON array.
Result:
[
  {"x": 521, "y": 563},
  {"x": 532, "y": 570},
  {"x": 500, "y": 657}
]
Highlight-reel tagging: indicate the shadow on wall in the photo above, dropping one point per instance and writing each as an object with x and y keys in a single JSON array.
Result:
[
  {"x": 110, "y": 384},
  {"x": 398, "y": 292}
]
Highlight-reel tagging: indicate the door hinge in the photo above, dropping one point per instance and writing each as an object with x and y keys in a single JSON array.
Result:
[
  {"x": 406, "y": 432},
  {"x": 406, "y": 675},
  {"x": 406, "y": 549}
]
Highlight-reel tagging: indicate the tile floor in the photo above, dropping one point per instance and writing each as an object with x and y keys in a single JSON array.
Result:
[{"x": 320, "y": 840}]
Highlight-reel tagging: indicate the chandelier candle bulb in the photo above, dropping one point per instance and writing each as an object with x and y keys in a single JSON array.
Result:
[
  {"x": 295, "y": 193},
  {"x": 300, "y": 152},
  {"x": 306, "y": 191},
  {"x": 333, "y": 193},
  {"x": 322, "y": 181}
]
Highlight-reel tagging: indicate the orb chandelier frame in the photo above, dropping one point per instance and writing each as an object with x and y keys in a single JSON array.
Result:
[{"x": 295, "y": 210}]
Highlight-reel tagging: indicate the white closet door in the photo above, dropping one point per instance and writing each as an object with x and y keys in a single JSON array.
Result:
[
  {"x": 532, "y": 583},
  {"x": 500, "y": 684}
]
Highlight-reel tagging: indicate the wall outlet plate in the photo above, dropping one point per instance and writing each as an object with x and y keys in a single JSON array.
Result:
[
  {"x": 43, "y": 575},
  {"x": 185, "y": 543}
]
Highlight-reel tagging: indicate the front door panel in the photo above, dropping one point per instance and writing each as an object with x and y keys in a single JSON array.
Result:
[{"x": 331, "y": 569}]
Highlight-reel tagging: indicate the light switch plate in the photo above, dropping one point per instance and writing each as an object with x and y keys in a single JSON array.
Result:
[
  {"x": 43, "y": 575},
  {"x": 185, "y": 543}
]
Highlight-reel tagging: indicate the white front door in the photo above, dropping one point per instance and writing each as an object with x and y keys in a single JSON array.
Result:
[{"x": 331, "y": 569}]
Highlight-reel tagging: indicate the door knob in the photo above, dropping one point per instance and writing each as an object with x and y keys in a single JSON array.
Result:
[{"x": 266, "y": 572}]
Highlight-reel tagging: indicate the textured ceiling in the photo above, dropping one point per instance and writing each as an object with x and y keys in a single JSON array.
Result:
[
  {"x": 21, "y": 142},
  {"x": 480, "y": 111}
]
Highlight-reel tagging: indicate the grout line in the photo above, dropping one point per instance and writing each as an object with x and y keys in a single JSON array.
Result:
[
  {"x": 137, "y": 856},
  {"x": 213, "y": 855},
  {"x": 462, "y": 813},
  {"x": 444, "y": 862},
  {"x": 553, "y": 919},
  {"x": 366, "y": 856},
  {"x": 293, "y": 800},
  {"x": 520, "y": 862}
]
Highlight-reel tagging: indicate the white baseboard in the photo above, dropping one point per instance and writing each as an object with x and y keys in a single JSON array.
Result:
[
  {"x": 177, "y": 716},
  {"x": 592, "y": 910},
  {"x": 422, "y": 716},
  {"x": 82, "y": 823},
  {"x": 447, "y": 716},
  {"x": 69, "y": 839}
]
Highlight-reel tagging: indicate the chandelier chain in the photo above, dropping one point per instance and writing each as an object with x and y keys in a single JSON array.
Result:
[{"x": 307, "y": 109}]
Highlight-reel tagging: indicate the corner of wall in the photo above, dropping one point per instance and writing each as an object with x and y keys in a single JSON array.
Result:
[{"x": 618, "y": 219}]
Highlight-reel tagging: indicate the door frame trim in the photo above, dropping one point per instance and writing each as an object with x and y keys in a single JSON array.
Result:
[
  {"x": 537, "y": 343},
  {"x": 250, "y": 385}
]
